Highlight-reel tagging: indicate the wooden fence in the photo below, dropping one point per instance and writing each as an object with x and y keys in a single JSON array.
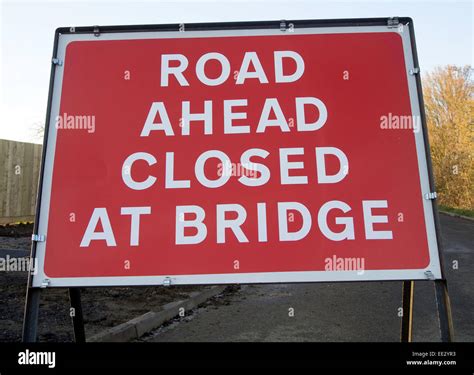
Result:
[{"x": 19, "y": 172}]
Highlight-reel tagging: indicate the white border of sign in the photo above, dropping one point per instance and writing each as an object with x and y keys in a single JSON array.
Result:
[{"x": 232, "y": 278}]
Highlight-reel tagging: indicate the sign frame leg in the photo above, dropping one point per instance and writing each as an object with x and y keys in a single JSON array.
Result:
[
  {"x": 443, "y": 307},
  {"x": 77, "y": 317},
  {"x": 30, "y": 319},
  {"x": 406, "y": 331}
]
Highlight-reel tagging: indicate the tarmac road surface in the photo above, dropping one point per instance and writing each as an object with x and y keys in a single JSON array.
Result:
[{"x": 365, "y": 311}]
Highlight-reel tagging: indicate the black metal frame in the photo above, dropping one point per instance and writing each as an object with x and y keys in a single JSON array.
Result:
[
  {"x": 30, "y": 322},
  {"x": 441, "y": 286}
]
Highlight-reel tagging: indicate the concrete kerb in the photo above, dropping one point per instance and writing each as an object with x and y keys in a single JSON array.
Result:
[
  {"x": 135, "y": 328},
  {"x": 456, "y": 215}
]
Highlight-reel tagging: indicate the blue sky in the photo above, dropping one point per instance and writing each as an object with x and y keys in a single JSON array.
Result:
[{"x": 444, "y": 33}]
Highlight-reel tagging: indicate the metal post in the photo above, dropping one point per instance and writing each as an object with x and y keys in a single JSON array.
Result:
[
  {"x": 30, "y": 319},
  {"x": 407, "y": 311},
  {"x": 444, "y": 311},
  {"x": 76, "y": 315}
]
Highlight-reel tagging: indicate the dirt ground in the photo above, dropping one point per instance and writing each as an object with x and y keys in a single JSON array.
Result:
[
  {"x": 16, "y": 230},
  {"x": 102, "y": 308}
]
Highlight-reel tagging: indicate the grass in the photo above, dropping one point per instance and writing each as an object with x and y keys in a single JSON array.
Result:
[{"x": 459, "y": 211}]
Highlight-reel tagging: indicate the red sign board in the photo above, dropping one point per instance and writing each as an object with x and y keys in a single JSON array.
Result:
[{"x": 235, "y": 156}]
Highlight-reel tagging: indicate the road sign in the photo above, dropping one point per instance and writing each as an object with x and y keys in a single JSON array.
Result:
[{"x": 235, "y": 155}]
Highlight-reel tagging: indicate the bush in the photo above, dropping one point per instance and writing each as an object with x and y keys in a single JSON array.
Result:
[{"x": 449, "y": 105}]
